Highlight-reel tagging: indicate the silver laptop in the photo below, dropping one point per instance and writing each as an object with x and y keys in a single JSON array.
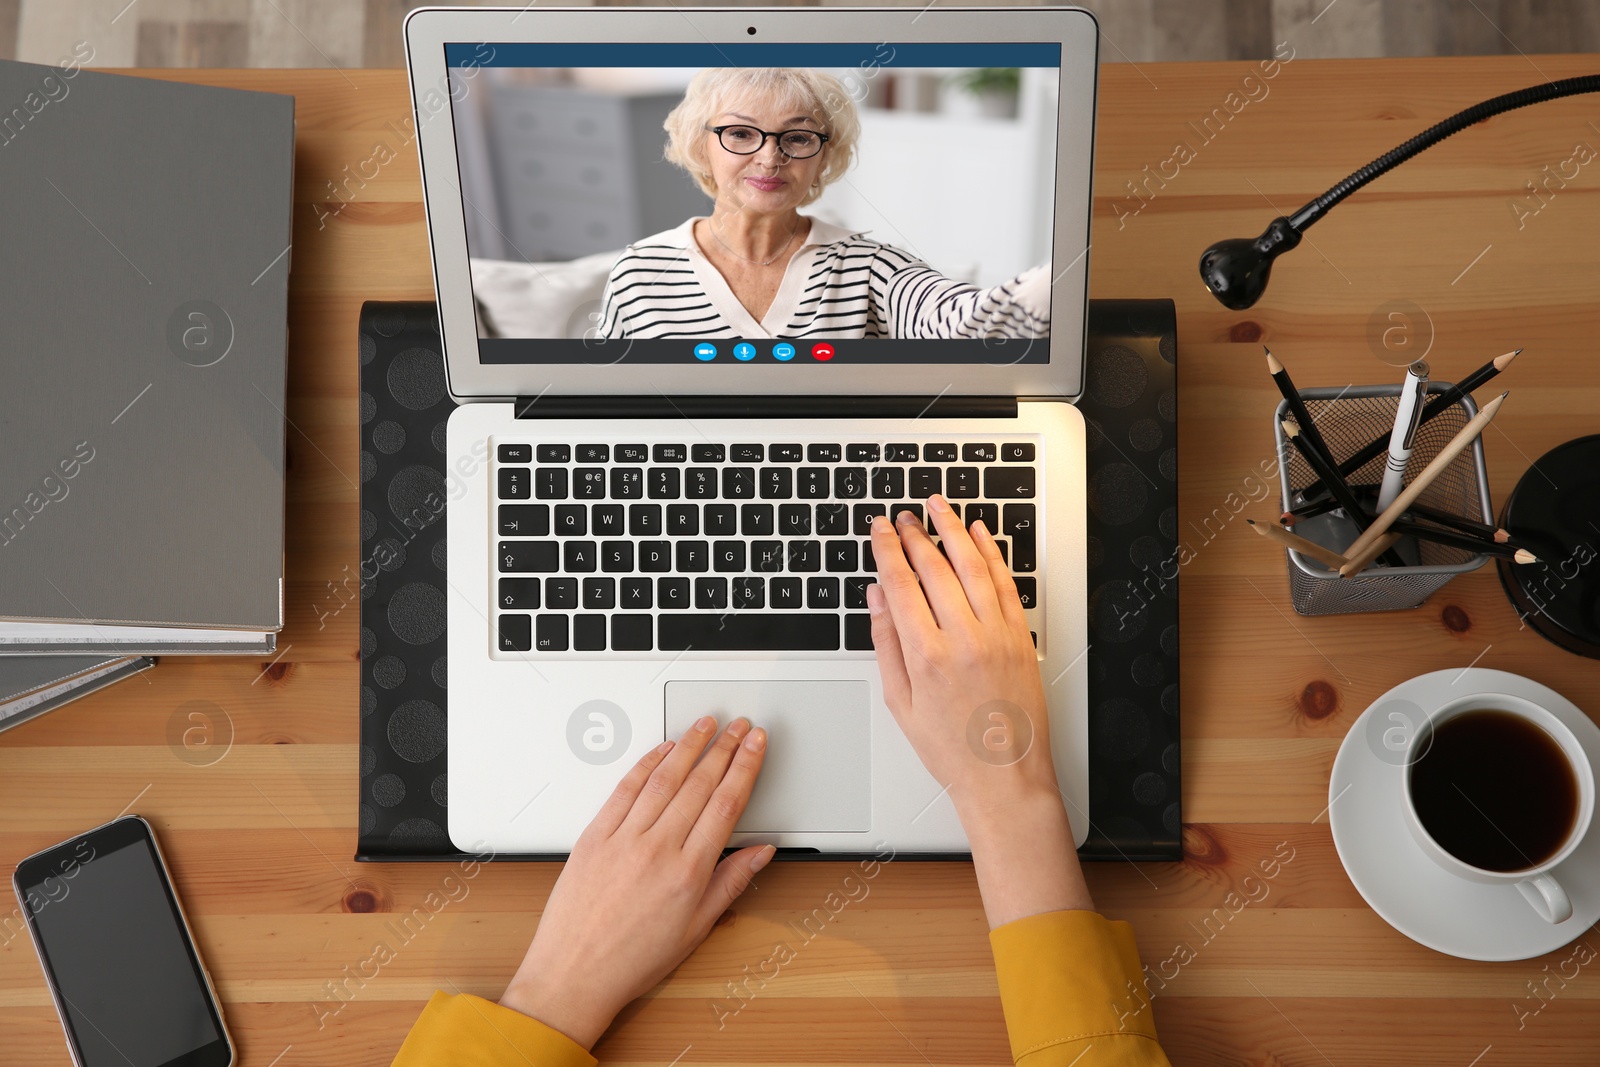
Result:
[{"x": 716, "y": 286}]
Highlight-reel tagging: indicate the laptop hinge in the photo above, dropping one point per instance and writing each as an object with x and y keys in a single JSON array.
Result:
[{"x": 766, "y": 407}]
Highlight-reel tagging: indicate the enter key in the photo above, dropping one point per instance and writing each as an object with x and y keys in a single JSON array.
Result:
[{"x": 1019, "y": 523}]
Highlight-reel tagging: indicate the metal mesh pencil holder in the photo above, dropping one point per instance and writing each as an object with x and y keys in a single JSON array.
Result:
[{"x": 1348, "y": 419}]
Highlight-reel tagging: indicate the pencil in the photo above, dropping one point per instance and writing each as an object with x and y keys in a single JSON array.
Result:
[
  {"x": 1415, "y": 512},
  {"x": 1471, "y": 382},
  {"x": 1435, "y": 467},
  {"x": 1323, "y": 504},
  {"x": 1297, "y": 406},
  {"x": 1273, "y": 532},
  {"x": 1457, "y": 522},
  {"x": 1329, "y": 475},
  {"x": 1359, "y": 563},
  {"x": 1341, "y": 491},
  {"x": 1443, "y": 401},
  {"x": 1456, "y": 539}
]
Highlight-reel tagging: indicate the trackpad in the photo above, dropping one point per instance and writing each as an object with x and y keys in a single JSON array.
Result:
[{"x": 818, "y": 774}]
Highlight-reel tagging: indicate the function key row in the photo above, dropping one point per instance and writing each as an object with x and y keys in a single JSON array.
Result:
[{"x": 897, "y": 452}]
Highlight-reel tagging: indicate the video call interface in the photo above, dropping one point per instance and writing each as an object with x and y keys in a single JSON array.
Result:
[{"x": 613, "y": 195}]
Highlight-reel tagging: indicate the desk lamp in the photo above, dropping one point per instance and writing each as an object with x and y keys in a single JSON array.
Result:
[{"x": 1558, "y": 597}]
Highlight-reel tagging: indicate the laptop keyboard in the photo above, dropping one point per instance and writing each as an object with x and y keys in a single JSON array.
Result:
[{"x": 671, "y": 547}]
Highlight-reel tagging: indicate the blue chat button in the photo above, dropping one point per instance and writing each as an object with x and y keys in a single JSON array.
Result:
[
  {"x": 705, "y": 351},
  {"x": 784, "y": 351},
  {"x": 744, "y": 351}
]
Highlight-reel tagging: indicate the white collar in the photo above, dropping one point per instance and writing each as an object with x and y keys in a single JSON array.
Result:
[{"x": 822, "y": 233}]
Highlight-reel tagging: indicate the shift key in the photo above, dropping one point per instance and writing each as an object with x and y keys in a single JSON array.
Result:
[{"x": 1020, "y": 524}]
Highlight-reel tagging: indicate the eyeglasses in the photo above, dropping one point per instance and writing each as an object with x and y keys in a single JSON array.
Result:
[{"x": 747, "y": 141}]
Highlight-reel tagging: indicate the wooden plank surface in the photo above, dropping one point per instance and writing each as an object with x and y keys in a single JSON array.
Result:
[{"x": 261, "y": 839}]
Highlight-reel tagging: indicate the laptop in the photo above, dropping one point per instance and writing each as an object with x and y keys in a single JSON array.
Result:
[{"x": 668, "y": 452}]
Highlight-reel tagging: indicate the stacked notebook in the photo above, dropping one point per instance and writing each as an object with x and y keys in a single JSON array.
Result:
[
  {"x": 143, "y": 297},
  {"x": 33, "y": 685}
]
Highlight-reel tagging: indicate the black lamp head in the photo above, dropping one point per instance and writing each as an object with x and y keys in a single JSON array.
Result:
[{"x": 1236, "y": 270}]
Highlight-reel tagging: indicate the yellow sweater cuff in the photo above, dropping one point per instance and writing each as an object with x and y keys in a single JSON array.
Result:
[
  {"x": 468, "y": 1031},
  {"x": 1069, "y": 979}
]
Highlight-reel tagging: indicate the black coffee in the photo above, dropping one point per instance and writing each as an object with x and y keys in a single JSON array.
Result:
[{"x": 1495, "y": 791}]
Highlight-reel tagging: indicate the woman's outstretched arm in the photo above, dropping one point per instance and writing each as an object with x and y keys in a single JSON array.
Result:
[{"x": 921, "y": 302}]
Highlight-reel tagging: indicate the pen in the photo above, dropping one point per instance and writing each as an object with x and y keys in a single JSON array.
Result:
[
  {"x": 1357, "y": 552},
  {"x": 1444, "y": 400},
  {"x": 1407, "y": 417}
]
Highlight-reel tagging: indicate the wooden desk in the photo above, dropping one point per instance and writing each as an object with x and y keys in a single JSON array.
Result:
[{"x": 261, "y": 839}]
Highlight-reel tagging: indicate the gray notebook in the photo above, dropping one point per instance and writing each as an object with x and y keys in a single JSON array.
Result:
[
  {"x": 33, "y": 685},
  {"x": 143, "y": 305}
]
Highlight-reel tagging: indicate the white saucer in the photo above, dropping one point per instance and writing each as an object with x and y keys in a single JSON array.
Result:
[{"x": 1473, "y": 920}]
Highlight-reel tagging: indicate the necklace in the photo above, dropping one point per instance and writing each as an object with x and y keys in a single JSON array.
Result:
[{"x": 758, "y": 262}]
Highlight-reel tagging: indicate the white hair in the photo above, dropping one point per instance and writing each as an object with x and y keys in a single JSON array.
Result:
[{"x": 710, "y": 93}]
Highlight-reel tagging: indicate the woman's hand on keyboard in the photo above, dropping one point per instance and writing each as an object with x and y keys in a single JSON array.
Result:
[
  {"x": 959, "y": 669},
  {"x": 643, "y": 886},
  {"x": 961, "y": 676}
]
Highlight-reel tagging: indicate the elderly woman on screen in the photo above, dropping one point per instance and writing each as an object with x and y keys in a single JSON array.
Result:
[{"x": 763, "y": 143}]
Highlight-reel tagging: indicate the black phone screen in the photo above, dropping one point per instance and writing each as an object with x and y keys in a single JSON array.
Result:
[{"x": 129, "y": 985}]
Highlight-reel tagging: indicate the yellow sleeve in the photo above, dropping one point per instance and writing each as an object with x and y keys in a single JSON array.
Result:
[
  {"x": 1073, "y": 992},
  {"x": 468, "y": 1031}
]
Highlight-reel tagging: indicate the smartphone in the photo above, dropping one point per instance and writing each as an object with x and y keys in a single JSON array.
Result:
[{"x": 118, "y": 954}]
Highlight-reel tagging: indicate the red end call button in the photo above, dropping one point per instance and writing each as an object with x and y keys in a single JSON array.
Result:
[{"x": 822, "y": 351}]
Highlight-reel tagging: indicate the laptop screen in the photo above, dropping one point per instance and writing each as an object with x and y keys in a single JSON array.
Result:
[{"x": 758, "y": 203}]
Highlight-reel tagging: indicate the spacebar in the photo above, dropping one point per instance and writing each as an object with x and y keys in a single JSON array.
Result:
[{"x": 738, "y": 632}]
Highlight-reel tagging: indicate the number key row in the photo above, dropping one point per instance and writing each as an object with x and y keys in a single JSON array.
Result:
[{"x": 767, "y": 483}]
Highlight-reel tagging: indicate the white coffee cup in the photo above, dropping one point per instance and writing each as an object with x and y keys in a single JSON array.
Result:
[{"x": 1548, "y": 900}]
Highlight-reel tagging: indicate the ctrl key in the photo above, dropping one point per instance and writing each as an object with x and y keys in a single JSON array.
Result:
[
  {"x": 552, "y": 634},
  {"x": 516, "y": 633}
]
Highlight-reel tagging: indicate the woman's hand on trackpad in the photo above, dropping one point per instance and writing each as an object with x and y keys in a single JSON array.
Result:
[{"x": 644, "y": 883}]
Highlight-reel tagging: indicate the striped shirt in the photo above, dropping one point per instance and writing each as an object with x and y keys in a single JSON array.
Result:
[{"x": 839, "y": 284}]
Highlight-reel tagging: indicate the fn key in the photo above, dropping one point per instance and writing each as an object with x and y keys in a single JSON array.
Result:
[{"x": 516, "y": 633}]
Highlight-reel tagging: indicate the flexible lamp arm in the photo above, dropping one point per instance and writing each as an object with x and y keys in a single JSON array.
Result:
[{"x": 1236, "y": 270}]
